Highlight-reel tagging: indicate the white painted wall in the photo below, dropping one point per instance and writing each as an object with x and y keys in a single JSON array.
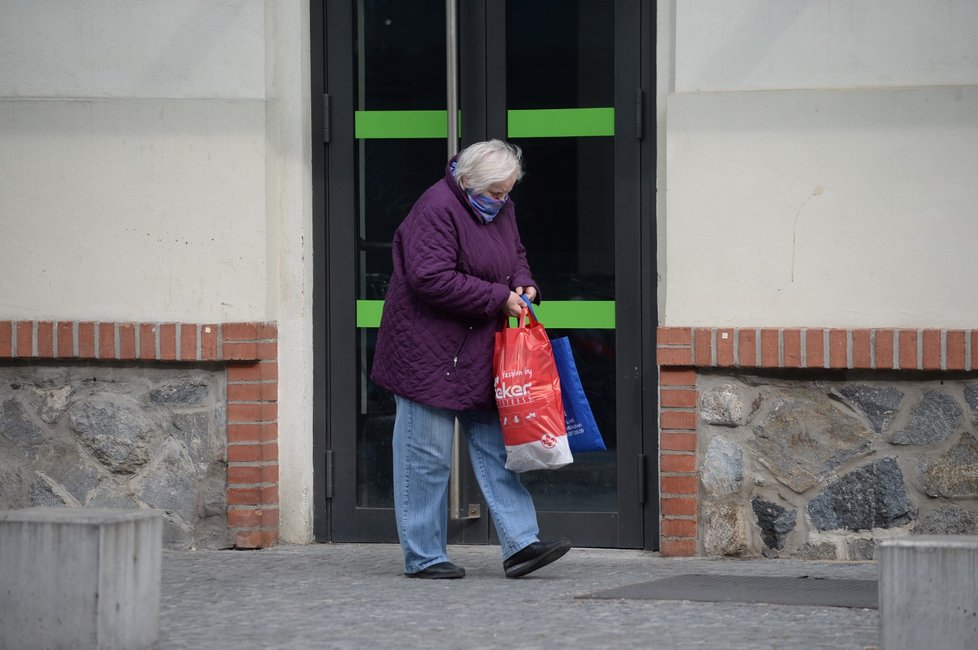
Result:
[
  {"x": 289, "y": 205},
  {"x": 133, "y": 48},
  {"x": 816, "y": 162},
  {"x": 733, "y": 45},
  {"x": 133, "y": 210},
  {"x": 132, "y": 160},
  {"x": 155, "y": 165}
]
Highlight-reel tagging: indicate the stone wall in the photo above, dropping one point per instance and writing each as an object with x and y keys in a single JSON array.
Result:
[
  {"x": 822, "y": 466},
  {"x": 118, "y": 435}
]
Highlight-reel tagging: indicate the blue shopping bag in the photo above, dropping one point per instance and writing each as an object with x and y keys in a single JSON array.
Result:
[{"x": 582, "y": 431}]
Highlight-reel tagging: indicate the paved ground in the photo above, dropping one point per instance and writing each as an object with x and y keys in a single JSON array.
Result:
[{"x": 354, "y": 596}]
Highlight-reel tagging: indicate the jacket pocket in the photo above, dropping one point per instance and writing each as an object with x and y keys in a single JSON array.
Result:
[{"x": 458, "y": 352}]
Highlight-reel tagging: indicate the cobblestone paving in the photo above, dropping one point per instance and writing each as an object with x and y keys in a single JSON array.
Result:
[{"x": 354, "y": 596}]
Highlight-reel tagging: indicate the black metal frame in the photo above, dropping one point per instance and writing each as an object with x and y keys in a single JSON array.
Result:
[
  {"x": 320, "y": 432},
  {"x": 628, "y": 285},
  {"x": 482, "y": 66},
  {"x": 649, "y": 278}
]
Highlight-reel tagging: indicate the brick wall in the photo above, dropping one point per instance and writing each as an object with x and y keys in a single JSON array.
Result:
[
  {"x": 681, "y": 350},
  {"x": 249, "y": 353}
]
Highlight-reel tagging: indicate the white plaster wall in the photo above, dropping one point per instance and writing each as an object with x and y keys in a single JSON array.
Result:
[
  {"x": 132, "y": 48},
  {"x": 155, "y": 165},
  {"x": 132, "y": 210},
  {"x": 780, "y": 44},
  {"x": 133, "y": 160},
  {"x": 290, "y": 295},
  {"x": 811, "y": 171},
  {"x": 847, "y": 209}
]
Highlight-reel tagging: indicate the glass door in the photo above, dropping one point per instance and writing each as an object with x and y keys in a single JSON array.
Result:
[{"x": 559, "y": 79}]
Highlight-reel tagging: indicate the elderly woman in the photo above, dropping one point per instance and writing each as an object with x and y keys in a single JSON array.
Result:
[{"x": 459, "y": 271}]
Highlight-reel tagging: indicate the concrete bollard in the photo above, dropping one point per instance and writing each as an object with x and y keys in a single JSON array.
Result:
[
  {"x": 929, "y": 592},
  {"x": 80, "y": 578}
]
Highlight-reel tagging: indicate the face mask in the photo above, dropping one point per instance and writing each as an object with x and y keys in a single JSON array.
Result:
[{"x": 486, "y": 206}]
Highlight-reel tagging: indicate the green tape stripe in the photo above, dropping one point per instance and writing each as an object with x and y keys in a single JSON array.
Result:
[
  {"x": 543, "y": 123},
  {"x": 561, "y": 122},
  {"x": 400, "y": 124},
  {"x": 554, "y": 314}
]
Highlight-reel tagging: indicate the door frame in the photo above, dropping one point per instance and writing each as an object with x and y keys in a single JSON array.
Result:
[{"x": 334, "y": 247}]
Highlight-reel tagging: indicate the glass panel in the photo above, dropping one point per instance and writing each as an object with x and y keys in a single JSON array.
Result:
[
  {"x": 401, "y": 55},
  {"x": 560, "y": 55},
  {"x": 394, "y": 173},
  {"x": 400, "y": 62},
  {"x": 589, "y": 484},
  {"x": 565, "y": 207},
  {"x": 374, "y": 453}
]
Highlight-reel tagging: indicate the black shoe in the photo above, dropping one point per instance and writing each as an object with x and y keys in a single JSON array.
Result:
[
  {"x": 535, "y": 556},
  {"x": 440, "y": 571}
]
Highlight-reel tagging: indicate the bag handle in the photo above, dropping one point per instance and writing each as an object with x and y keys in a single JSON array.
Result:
[{"x": 524, "y": 314}]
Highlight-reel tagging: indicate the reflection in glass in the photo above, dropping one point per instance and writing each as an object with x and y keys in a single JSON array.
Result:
[
  {"x": 400, "y": 66},
  {"x": 560, "y": 54},
  {"x": 374, "y": 457},
  {"x": 401, "y": 55},
  {"x": 589, "y": 484},
  {"x": 394, "y": 174},
  {"x": 565, "y": 209}
]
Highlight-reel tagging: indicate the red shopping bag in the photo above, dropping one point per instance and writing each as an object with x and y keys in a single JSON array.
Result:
[{"x": 527, "y": 389}]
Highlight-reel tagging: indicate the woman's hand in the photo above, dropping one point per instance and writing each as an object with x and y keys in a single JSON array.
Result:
[
  {"x": 514, "y": 305},
  {"x": 531, "y": 292}
]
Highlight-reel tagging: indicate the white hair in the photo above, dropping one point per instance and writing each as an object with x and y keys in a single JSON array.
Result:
[{"x": 481, "y": 164}]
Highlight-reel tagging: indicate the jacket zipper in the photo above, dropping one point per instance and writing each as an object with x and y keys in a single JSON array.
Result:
[{"x": 458, "y": 352}]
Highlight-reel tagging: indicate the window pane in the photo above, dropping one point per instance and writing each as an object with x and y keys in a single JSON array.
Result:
[
  {"x": 560, "y": 55},
  {"x": 400, "y": 63},
  {"x": 401, "y": 55}
]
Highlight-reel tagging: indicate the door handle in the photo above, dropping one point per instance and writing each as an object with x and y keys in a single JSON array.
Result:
[
  {"x": 451, "y": 71},
  {"x": 455, "y": 510}
]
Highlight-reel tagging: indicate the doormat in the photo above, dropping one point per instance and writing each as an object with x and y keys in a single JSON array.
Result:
[{"x": 774, "y": 590}]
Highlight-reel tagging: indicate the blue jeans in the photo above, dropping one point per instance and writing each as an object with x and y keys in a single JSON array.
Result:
[{"x": 422, "y": 463}]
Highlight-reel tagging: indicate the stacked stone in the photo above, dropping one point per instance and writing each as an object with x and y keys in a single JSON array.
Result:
[
  {"x": 823, "y": 469},
  {"x": 118, "y": 437}
]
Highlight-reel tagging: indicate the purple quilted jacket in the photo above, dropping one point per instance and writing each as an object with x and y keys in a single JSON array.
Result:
[{"x": 452, "y": 276}]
